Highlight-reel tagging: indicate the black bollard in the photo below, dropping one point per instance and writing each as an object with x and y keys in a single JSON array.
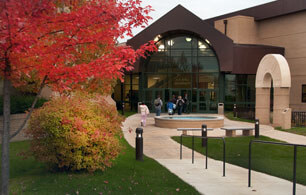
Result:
[
  {"x": 204, "y": 134},
  {"x": 139, "y": 144},
  {"x": 256, "y": 128},
  {"x": 235, "y": 111}
]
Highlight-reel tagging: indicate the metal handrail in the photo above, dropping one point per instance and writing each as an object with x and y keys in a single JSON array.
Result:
[
  {"x": 203, "y": 137},
  {"x": 276, "y": 143}
]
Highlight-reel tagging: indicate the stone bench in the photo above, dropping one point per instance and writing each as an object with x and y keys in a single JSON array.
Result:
[
  {"x": 185, "y": 130},
  {"x": 231, "y": 131}
]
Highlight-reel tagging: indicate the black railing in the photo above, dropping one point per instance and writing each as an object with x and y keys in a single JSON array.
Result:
[
  {"x": 298, "y": 119},
  {"x": 276, "y": 143},
  {"x": 206, "y": 149}
]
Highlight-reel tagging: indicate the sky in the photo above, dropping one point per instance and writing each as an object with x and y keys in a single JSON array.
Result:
[{"x": 202, "y": 8}]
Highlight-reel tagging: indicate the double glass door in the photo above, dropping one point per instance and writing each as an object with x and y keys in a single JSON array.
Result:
[{"x": 207, "y": 100}]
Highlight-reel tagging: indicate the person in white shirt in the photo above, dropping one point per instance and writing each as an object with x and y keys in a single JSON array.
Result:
[{"x": 144, "y": 111}]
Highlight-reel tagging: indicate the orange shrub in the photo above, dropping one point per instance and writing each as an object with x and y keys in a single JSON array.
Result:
[{"x": 75, "y": 133}]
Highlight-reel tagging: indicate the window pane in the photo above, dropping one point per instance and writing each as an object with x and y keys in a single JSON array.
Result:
[
  {"x": 135, "y": 80},
  {"x": 180, "y": 43},
  {"x": 303, "y": 93},
  {"x": 157, "y": 63},
  {"x": 157, "y": 81},
  {"x": 181, "y": 64},
  {"x": 208, "y": 64},
  {"x": 208, "y": 81},
  {"x": 230, "y": 88},
  {"x": 180, "y": 80}
]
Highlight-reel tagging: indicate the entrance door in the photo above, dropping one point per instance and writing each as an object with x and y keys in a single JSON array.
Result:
[{"x": 207, "y": 101}]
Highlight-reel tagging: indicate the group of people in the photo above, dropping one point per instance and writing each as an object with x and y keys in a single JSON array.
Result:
[
  {"x": 175, "y": 104},
  {"x": 178, "y": 104}
]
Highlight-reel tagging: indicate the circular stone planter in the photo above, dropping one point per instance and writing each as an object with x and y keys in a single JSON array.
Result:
[{"x": 190, "y": 121}]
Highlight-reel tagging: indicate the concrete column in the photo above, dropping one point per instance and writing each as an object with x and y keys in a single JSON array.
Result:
[
  {"x": 262, "y": 110},
  {"x": 281, "y": 102}
]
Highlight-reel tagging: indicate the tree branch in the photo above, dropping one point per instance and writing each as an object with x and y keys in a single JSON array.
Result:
[{"x": 31, "y": 109}]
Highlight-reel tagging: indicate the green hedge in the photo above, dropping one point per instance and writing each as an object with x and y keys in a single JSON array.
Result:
[{"x": 21, "y": 103}]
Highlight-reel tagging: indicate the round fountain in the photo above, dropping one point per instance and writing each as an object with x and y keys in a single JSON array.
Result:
[{"x": 188, "y": 121}]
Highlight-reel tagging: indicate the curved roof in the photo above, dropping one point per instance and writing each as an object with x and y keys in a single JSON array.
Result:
[{"x": 180, "y": 19}]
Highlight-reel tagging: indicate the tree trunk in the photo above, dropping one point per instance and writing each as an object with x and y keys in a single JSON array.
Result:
[{"x": 5, "y": 164}]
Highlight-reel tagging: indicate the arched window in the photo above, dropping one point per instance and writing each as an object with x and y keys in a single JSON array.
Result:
[{"x": 182, "y": 61}]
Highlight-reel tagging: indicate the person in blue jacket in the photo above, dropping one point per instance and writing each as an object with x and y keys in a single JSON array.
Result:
[{"x": 170, "y": 107}]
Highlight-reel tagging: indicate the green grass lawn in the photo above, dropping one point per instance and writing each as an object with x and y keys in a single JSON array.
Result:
[
  {"x": 230, "y": 115},
  {"x": 295, "y": 130},
  {"x": 127, "y": 176},
  {"x": 274, "y": 160}
]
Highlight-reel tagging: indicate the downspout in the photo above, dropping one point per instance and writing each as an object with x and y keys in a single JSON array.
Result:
[{"x": 225, "y": 26}]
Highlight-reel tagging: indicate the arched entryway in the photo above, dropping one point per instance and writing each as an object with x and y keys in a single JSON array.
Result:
[
  {"x": 184, "y": 64},
  {"x": 272, "y": 67}
]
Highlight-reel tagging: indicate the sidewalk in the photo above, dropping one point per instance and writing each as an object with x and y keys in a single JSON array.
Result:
[{"x": 159, "y": 146}]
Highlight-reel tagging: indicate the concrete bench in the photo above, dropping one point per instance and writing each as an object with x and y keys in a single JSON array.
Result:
[
  {"x": 184, "y": 130},
  {"x": 231, "y": 131}
]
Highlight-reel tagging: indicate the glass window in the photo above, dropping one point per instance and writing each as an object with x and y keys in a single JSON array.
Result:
[
  {"x": 208, "y": 81},
  {"x": 156, "y": 81},
  {"x": 181, "y": 64},
  {"x": 208, "y": 64},
  {"x": 180, "y": 80},
  {"x": 182, "y": 53},
  {"x": 303, "y": 93},
  {"x": 230, "y": 88},
  {"x": 157, "y": 63}
]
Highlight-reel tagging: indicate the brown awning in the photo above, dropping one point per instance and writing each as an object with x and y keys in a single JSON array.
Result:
[{"x": 247, "y": 57}]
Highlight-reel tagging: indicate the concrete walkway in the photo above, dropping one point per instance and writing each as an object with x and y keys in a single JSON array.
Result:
[{"x": 159, "y": 146}]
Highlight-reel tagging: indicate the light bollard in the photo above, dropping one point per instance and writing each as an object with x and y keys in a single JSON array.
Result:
[
  {"x": 139, "y": 144},
  {"x": 204, "y": 134},
  {"x": 256, "y": 128},
  {"x": 235, "y": 111}
]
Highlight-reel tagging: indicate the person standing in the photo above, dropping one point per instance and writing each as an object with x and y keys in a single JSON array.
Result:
[
  {"x": 174, "y": 100},
  {"x": 170, "y": 106},
  {"x": 186, "y": 103},
  {"x": 179, "y": 105},
  {"x": 158, "y": 103},
  {"x": 144, "y": 111}
]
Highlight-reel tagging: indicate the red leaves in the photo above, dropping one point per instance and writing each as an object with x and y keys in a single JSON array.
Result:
[{"x": 72, "y": 45}]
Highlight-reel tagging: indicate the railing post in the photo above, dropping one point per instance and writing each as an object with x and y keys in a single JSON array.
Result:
[
  {"x": 206, "y": 153},
  {"x": 204, "y": 134},
  {"x": 223, "y": 157},
  {"x": 250, "y": 159},
  {"x": 181, "y": 147},
  {"x": 192, "y": 149},
  {"x": 294, "y": 169}
]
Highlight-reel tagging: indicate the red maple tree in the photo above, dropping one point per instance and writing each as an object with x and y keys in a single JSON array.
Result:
[{"x": 66, "y": 44}]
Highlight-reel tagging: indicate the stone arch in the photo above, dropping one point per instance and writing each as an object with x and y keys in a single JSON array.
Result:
[{"x": 273, "y": 67}]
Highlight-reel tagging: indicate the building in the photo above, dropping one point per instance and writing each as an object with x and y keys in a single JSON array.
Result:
[{"x": 216, "y": 60}]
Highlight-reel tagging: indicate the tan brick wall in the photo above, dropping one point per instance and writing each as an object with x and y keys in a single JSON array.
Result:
[
  {"x": 287, "y": 31},
  {"x": 241, "y": 29}
]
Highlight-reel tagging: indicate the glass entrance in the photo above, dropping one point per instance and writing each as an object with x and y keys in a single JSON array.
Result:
[
  {"x": 207, "y": 100},
  {"x": 183, "y": 64}
]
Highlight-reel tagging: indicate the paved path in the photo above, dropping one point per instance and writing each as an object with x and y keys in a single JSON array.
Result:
[{"x": 159, "y": 145}]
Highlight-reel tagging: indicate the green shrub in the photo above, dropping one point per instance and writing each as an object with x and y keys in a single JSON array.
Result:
[
  {"x": 75, "y": 133},
  {"x": 21, "y": 103}
]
